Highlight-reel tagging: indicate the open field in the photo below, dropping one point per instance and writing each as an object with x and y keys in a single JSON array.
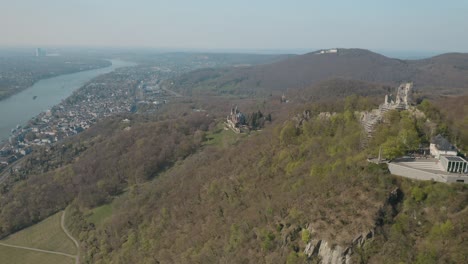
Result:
[
  {"x": 23, "y": 256},
  {"x": 100, "y": 214},
  {"x": 45, "y": 235},
  {"x": 222, "y": 137}
]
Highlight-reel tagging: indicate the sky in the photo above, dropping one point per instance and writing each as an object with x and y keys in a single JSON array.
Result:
[{"x": 397, "y": 25}]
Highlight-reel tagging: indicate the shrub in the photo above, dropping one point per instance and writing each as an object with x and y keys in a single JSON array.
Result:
[{"x": 305, "y": 235}]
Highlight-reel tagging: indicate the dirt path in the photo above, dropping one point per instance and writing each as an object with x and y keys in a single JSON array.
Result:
[
  {"x": 62, "y": 225},
  {"x": 39, "y": 250},
  {"x": 77, "y": 245}
]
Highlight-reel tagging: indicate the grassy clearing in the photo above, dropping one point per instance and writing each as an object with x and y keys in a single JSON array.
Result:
[
  {"x": 23, "y": 256},
  {"x": 46, "y": 235},
  {"x": 99, "y": 214},
  {"x": 222, "y": 137}
]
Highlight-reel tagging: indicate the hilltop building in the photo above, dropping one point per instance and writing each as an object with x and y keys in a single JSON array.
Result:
[
  {"x": 328, "y": 51},
  {"x": 454, "y": 164},
  {"x": 441, "y": 146},
  {"x": 444, "y": 166},
  {"x": 447, "y": 153},
  {"x": 236, "y": 120}
]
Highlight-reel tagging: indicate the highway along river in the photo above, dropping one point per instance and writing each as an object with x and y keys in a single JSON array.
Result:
[{"x": 19, "y": 108}]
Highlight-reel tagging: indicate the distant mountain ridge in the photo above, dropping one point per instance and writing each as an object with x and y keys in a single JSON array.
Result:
[{"x": 446, "y": 73}]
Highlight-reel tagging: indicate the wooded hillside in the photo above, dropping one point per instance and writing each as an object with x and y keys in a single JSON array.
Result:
[{"x": 443, "y": 74}]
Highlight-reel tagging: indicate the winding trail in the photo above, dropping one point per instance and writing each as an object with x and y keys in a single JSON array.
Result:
[
  {"x": 62, "y": 225},
  {"x": 39, "y": 250},
  {"x": 77, "y": 245}
]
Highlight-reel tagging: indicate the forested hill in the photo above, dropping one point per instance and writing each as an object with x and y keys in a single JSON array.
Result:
[
  {"x": 447, "y": 73},
  {"x": 178, "y": 188}
]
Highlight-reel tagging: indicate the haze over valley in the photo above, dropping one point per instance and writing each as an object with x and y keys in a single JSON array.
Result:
[{"x": 243, "y": 132}]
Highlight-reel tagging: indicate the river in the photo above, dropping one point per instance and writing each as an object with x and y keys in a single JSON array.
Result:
[{"x": 21, "y": 107}]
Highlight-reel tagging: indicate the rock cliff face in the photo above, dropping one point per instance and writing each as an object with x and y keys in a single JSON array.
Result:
[{"x": 330, "y": 254}]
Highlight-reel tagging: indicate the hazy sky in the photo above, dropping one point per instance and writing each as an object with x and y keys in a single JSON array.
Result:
[{"x": 237, "y": 24}]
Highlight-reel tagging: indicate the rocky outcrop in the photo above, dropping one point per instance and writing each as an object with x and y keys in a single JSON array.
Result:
[
  {"x": 301, "y": 118},
  {"x": 329, "y": 253},
  {"x": 335, "y": 254},
  {"x": 326, "y": 253}
]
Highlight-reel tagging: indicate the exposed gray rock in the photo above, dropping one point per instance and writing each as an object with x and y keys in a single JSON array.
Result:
[
  {"x": 329, "y": 254},
  {"x": 312, "y": 248},
  {"x": 300, "y": 118}
]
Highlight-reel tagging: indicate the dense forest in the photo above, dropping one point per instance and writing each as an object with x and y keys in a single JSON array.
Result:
[{"x": 182, "y": 190}]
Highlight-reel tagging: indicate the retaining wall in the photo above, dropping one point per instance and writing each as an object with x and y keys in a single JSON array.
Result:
[{"x": 416, "y": 174}]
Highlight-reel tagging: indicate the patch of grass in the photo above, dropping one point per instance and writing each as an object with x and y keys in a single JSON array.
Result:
[
  {"x": 222, "y": 137},
  {"x": 46, "y": 235},
  {"x": 23, "y": 256},
  {"x": 100, "y": 214}
]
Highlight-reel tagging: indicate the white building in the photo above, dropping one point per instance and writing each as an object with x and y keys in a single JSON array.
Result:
[
  {"x": 454, "y": 164},
  {"x": 328, "y": 51},
  {"x": 441, "y": 146}
]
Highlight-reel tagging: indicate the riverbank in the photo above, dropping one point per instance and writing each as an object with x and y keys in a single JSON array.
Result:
[
  {"x": 43, "y": 95},
  {"x": 18, "y": 73}
]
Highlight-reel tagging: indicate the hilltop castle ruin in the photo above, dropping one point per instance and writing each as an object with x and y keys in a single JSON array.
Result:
[{"x": 401, "y": 101}]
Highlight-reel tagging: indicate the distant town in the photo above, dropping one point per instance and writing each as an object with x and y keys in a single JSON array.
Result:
[
  {"x": 125, "y": 90},
  {"x": 129, "y": 89}
]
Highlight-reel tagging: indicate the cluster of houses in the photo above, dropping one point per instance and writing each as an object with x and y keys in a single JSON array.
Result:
[{"x": 110, "y": 94}]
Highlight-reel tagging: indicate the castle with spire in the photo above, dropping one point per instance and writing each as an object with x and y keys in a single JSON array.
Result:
[{"x": 236, "y": 120}]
